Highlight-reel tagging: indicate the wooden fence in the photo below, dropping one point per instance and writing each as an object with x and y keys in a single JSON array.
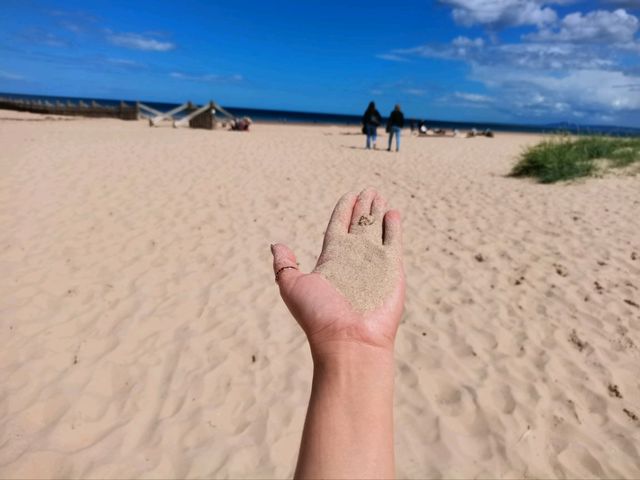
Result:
[{"x": 123, "y": 111}]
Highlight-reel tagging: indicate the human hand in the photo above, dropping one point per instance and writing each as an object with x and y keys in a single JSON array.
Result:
[{"x": 355, "y": 295}]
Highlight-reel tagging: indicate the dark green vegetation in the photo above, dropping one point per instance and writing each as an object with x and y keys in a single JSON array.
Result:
[{"x": 565, "y": 158}]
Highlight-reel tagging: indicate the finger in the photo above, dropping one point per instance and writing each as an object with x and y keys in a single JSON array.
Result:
[
  {"x": 392, "y": 230},
  {"x": 283, "y": 258},
  {"x": 362, "y": 208},
  {"x": 378, "y": 209},
  {"x": 341, "y": 216}
]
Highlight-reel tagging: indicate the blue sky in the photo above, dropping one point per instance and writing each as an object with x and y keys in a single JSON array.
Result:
[{"x": 526, "y": 61}]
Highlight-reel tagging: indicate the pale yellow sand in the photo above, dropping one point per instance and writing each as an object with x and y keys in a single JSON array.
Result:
[
  {"x": 363, "y": 265},
  {"x": 142, "y": 334}
]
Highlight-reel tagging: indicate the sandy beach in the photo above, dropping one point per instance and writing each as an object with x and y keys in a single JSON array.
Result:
[{"x": 143, "y": 334}]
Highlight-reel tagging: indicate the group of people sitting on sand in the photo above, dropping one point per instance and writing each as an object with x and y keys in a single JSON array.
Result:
[
  {"x": 425, "y": 131},
  {"x": 475, "y": 133}
]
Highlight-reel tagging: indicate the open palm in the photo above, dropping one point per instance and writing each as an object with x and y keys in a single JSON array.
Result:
[{"x": 356, "y": 291}]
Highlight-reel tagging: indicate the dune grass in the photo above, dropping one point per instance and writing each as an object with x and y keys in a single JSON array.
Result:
[{"x": 565, "y": 158}]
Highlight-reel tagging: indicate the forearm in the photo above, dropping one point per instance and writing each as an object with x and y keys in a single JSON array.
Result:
[{"x": 348, "y": 432}]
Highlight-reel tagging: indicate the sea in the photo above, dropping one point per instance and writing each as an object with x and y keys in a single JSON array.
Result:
[{"x": 297, "y": 117}]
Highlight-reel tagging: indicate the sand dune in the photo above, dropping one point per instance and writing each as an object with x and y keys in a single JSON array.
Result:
[{"x": 144, "y": 337}]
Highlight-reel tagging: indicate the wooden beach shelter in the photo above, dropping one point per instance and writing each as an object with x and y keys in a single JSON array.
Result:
[{"x": 198, "y": 117}]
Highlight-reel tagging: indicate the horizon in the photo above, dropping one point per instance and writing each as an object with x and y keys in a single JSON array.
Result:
[
  {"x": 308, "y": 112},
  {"x": 526, "y": 62}
]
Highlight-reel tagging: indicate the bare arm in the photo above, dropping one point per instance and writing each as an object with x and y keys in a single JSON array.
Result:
[
  {"x": 348, "y": 431},
  {"x": 349, "y": 428}
]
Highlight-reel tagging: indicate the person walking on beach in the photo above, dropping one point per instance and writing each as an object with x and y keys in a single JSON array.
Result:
[
  {"x": 371, "y": 120},
  {"x": 394, "y": 126}
]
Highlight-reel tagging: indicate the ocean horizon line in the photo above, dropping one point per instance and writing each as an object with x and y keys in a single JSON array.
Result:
[{"x": 270, "y": 115}]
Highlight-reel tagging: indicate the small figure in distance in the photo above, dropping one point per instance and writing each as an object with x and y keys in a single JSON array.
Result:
[
  {"x": 371, "y": 120},
  {"x": 394, "y": 126},
  {"x": 241, "y": 124},
  {"x": 349, "y": 308}
]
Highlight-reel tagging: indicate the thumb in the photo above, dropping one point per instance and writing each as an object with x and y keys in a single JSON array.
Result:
[{"x": 285, "y": 266}]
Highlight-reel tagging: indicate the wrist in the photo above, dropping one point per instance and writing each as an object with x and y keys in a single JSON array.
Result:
[{"x": 353, "y": 359}]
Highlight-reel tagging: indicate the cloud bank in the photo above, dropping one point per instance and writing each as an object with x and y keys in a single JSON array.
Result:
[{"x": 582, "y": 65}]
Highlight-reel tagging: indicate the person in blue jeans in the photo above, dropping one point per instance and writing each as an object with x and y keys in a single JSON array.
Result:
[
  {"x": 370, "y": 122},
  {"x": 394, "y": 126}
]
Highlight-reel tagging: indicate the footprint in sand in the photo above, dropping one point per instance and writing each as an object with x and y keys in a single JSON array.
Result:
[
  {"x": 561, "y": 270},
  {"x": 614, "y": 391},
  {"x": 579, "y": 344},
  {"x": 631, "y": 415},
  {"x": 599, "y": 288},
  {"x": 631, "y": 302}
]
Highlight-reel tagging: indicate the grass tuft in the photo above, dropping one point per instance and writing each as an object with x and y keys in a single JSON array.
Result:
[{"x": 565, "y": 158}]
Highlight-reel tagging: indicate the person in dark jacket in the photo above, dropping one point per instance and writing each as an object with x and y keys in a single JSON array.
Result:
[
  {"x": 370, "y": 121},
  {"x": 394, "y": 126}
]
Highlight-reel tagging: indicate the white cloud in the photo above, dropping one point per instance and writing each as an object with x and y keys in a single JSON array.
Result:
[
  {"x": 581, "y": 90},
  {"x": 549, "y": 80},
  {"x": 599, "y": 26},
  {"x": 391, "y": 57},
  {"x": 501, "y": 13},
  {"x": 72, "y": 27},
  {"x": 139, "y": 42},
  {"x": 10, "y": 76},
  {"x": 532, "y": 56},
  {"x": 560, "y": 56},
  {"x": 123, "y": 62},
  {"x": 633, "y": 47},
  {"x": 473, "y": 97},
  {"x": 460, "y": 48},
  {"x": 582, "y": 66},
  {"x": 467, "y": 42},
  {"x": 418, "y": 92},
  {"x": 207, "y": 77},
  {"x": 42, "y": 37}
]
